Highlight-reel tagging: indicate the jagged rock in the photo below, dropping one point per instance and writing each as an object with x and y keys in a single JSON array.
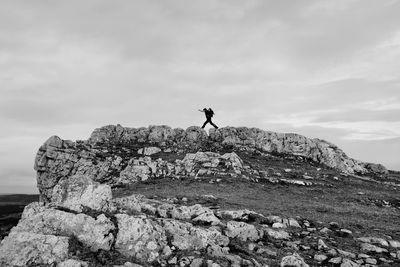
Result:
[
  {"x": 80, "y": 191},
  {"x": 137, "y": 170},
  {"x": 27, "y": 248},
  {"x": 58, "y": 158},
  {"x": 322, "y": 245},
  {"x": 238, "y": 214},
  {"x": 276, "y": 234},
  {"x": 140, "y": 237},
  {"x": 196, "y": 213},
  {"x": 208, "y": 218},
  {"x": 148, "y": 151},
  {"x": 186, "y": 236},
  {"x": 96, "y": 233},
  {"x": 72, "y": 263},
  {"x": 209, "y": 160},
  {"x": 294, "y": 260},
  {"x": 136, "y": 203},
  {"x": 242, "y": 230}
]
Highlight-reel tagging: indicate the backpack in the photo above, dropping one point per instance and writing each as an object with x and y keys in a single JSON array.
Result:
[{"x": 211, "y": 112}]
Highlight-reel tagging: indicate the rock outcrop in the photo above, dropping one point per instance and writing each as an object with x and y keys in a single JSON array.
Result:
[{"x": 116, "y": 155}]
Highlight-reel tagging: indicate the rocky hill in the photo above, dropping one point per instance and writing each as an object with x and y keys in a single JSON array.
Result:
[{"x": 159, "y": 196}]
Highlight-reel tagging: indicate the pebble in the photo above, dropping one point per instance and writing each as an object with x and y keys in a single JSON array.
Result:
[
  {"x": 320, "y": 257},
  {"x": 345, "y": 232},
  {"x": 325, "y": 230}
]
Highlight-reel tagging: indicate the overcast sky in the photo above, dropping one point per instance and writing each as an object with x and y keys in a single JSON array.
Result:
[{"x": 326, "y": 69}]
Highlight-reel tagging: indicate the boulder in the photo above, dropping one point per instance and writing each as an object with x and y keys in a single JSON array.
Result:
[
  {"x": 94, "y": 232},
  {"x": 242, "y": 231},
  {"x": 294, "y": 260},
  {"x": 27, "y": 249},
  {"x": 276, "y": 234},
  {"x": 79, "y": 191},
  {"x": 185, "y": 236},
  {"x": 140, "y": 237}
]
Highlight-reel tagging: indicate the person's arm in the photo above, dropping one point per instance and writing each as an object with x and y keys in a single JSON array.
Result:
[{"x": 201, "y": 110}]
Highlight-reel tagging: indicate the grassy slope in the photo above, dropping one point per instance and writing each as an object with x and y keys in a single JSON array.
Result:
[{"x": 328, "y": 200}]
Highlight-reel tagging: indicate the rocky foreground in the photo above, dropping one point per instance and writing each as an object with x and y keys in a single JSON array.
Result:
[{"x": 82, "y": 221}]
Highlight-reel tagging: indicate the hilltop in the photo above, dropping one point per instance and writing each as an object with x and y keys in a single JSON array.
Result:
[{"x": 157, "y": 196}]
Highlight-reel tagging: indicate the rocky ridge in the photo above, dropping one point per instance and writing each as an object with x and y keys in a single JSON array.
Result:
[
  {"x": 116, "y": 155},
  {"x": 82, "y": 222}
]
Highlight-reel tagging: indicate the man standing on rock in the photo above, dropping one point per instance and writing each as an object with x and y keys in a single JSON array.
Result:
[{"x": 209, "y": 114}]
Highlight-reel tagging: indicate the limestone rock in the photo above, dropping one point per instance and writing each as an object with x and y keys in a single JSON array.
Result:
[
  {"x": 140, "y": 237},
  {"x": 244, "y": 214},
  {"x": 294, "y": 260},
  {"x": 80, "y": 191},
  {"x": 253, "y": 138},
  {"x": 242, "y": 230},
  {"x": 96, "y": 233},
  {"x": 148, "y": 151},
  {"x": 57, "y": 158},
  {"x": 276, "y": 234},
  {"x": 26, "y": 248},
  {"x": 136, "y": 203},
  {"x": 320, "y": 257},
  {"x": 186, "y": 236},
  {"x": 210, "y": 161}
]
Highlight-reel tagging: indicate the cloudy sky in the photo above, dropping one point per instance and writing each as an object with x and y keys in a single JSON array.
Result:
[{"x": 326, "y": 69}]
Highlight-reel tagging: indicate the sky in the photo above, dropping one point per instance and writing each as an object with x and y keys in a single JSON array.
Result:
[{"x": 321, "y": 68}]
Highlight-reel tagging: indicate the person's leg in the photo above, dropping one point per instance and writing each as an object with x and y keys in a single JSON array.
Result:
[
  {"x": 215, "y": 126},
  {"x": 204, "y": 125}
]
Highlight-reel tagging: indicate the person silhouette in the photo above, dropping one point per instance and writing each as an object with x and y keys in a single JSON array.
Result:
[{"x": 209, "y": 114}]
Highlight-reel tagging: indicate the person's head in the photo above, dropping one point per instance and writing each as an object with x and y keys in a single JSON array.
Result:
[{"x": 205, "y": 109}]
